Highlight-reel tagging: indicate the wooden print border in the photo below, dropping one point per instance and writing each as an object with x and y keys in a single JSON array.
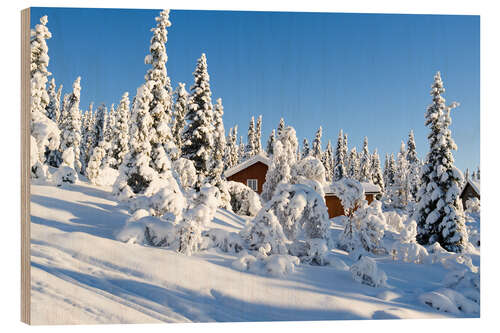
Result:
[{"x": 25, "y": 170}]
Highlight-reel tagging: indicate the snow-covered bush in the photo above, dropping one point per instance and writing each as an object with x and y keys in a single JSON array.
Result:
[
  {"x": 311, "y": 172},
  {"x": 394, "y": 221},
  {"x": 38, "y": 170},
  {"x": 186, "y": 171},
  {"x": 198, "y": 215},
  {"x": 66, "y": 172},
  {"x": 244, "y": 200},
  {"x": 406, "y": 247},
  {"x": 225, "y": 240},
  {"x": 350, "y": 192},
  {"x": 277, "y": 265},
  {"x": 364, "y": 229},
  {"x": 148, "y": 230},
  {"x": 365, "y": 271},
  {"x": 473, "y": 221},
  {"x": 94, "y": 166},
  {"x": 292, "y": 222}
]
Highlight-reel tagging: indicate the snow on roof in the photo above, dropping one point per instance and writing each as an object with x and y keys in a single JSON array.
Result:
[
  {"x": 245, "y": 164},
  {"x": 475, "y": 185},
  {"x": 367, "y": 187}
]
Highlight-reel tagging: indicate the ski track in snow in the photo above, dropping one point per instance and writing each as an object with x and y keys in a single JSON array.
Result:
[{"x": 80, "y": 274}]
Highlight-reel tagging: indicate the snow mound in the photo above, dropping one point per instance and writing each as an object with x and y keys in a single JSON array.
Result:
[
  {"x": 276, "y": 265},
  {"x": 448, "y": 300},
  {"x": 64, "y": 174},
  {"x": 365, "y": 271}
]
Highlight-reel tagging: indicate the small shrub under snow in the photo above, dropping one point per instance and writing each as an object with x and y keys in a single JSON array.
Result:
[
  {"x": 364, "y": 229},
  {"x": 244, "y": 201},
  {"x": 365, "y": 271},
  {"x": 277, "y": 265}
]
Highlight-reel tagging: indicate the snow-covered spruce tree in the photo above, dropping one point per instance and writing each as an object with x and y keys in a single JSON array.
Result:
[
  {"x": 270, "y": 143},
  {"x": 376, "y": 171},
  {"x": 231, "y": 157},
  {"x": 305, "y": 149},
  {"x": 135, "y": 171},
  {"x": 160, "y": 107},
  {"x": 284, "y": 158},
  {"x": 281, "y": 127},
  {"x": 316, "y": 150},
  {"x": 258, "y": 135},
  {"x": 85, "y": 137},
  {"x": 365, "y": 163},
  {"x": 71, "y": 133},
  {"x": 199, "y": 134},
  {"x": 180, "y": 111},
  {"x": 43, "y": 129},
  {"x": 339, "y": 171},
  {"x": 439, "y": 213},
  {"x": 414, "y": 164},
  {"x": 328, "y": 161},
  {"x": 346, "y": 151},
  {"x": 401, "y": 190},
  {"x": 241, "y": 150},
  {"x": 250, "y": 148},
  {"x": 353, "y": 168},
  {"x": 53, "y": 112},
  {"x": 52, "y": 109},
  {"x": 215, "y": 176},
  {"x": 121, "y": 135}
]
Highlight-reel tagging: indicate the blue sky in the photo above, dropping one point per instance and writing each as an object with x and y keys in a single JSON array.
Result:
[{"x": 369, "y": 74}]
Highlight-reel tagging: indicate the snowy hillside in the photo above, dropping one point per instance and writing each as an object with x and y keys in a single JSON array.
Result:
[{"x": 82, "y": 274}]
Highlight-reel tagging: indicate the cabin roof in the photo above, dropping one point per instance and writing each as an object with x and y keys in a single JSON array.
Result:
[
  {"x": 474, "y": 184},
  {"x": 247, "y": 163}
]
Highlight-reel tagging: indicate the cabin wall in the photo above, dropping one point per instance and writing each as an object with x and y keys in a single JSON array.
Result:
[
  {"x": 335, "y": 207},
  {"x": 256, "y": 171},
  {"x": 468, "y": 193}
]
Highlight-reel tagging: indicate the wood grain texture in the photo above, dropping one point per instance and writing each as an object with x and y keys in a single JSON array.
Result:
[{"x": 25, "y": 168}]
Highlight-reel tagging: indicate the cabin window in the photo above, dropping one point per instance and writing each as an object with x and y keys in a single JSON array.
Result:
[{"x": 253, "y": 184}]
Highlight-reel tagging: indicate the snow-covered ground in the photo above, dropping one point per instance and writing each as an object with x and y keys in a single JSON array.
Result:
[{"x": 82, "y": 274}]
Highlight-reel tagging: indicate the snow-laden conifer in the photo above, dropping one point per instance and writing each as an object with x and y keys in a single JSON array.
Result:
[
  {"x": 281, "y": 127},
  {"x": 231, "y": 158},
  {"x": 215, "y": 176},
  {"x": 328, "y": 161},
  {"x": 306, "y": 151},
  {"x": 135, "y": 171},
  {"x": 284, "y": 158},
  {"x": 250, "y": 148},
  {"x": 43, "y": 129},
  {"x": 199, "y": 134},
  {"x": 376, "y": 171},
  {"x": 365, "y": 163},
  {"x": 258, "y": 135},
  {"x": 414, "y": 164},
  {"x": 401, "y": 191},
  {"x": 71, "y": 135},
  {"x": 179, "y": 121},
  {"x": 316, "y": 150},
  {"x": 241, "y": 150},
  {"x": 353, "y": 168},
  {"x": 439, "y": 213},
  {"x": 270, "y": 143},
  {"x": 160, "y": 106},
  {"x": 339, "y": 171},
  {"x": 122, "y": 125}
]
